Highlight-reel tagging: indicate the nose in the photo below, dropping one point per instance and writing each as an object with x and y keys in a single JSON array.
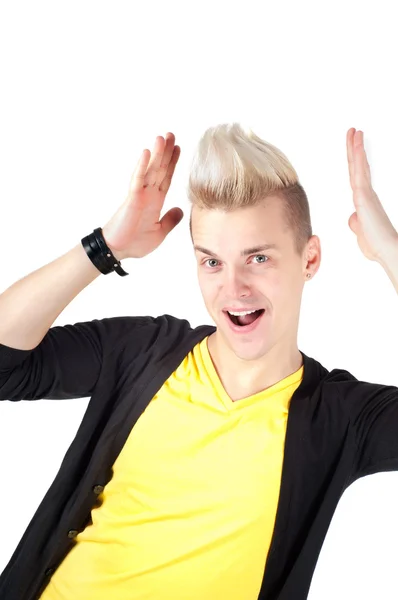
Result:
[{"x": 235, "y": 285}]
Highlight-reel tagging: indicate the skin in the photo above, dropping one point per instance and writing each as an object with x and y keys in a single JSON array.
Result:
[
  {"x": 248, "y": 364},
  {"x": 376, "y": 236},
  {"x": 271, "y": 279}
]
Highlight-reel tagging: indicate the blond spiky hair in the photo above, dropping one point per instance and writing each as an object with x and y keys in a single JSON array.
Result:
[{"x": 233, "y": 168}]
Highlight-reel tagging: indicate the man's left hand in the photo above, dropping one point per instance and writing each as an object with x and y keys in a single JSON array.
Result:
[{"x": 375, "y": 233}]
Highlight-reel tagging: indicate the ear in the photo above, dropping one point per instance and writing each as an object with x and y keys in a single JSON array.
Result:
[{"x": 313, "y": 254}]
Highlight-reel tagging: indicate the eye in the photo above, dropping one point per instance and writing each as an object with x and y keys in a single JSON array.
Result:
[
  {"x": 263, "y": 255},
  {"x": 210, "y": 259},
  {"x": 255, "y": 256}
]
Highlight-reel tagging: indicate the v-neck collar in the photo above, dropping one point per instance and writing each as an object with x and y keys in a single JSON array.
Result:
[{"x": 262, "y": 395}]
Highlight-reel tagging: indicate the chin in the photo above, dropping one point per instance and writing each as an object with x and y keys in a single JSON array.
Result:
[{"x": 250, "y": 354}]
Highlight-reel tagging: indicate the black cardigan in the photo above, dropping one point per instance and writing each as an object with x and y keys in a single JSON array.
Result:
[{"x": 338, "y": 430}]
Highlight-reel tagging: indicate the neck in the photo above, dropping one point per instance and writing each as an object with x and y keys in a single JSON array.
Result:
[{"x": 249, "y": 377}]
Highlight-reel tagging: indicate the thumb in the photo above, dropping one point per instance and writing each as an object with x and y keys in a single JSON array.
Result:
[
  {"x": 171, "y": 219},
  {"x": 353, "y": 222}
]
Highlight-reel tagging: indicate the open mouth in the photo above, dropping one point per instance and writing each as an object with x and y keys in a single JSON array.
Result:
[{"x": 246, "y": 319}]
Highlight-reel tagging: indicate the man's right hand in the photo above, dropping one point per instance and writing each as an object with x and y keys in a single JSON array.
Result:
[{"x": 135, "y": 229}]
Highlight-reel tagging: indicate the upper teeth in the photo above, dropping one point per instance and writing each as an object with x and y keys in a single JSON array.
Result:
[{"x": 240, "y": 314}]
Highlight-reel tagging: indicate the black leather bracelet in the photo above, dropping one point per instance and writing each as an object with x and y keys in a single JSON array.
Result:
[{"x": 100, "y": 255}]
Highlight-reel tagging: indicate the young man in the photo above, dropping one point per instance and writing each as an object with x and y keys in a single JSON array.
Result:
[{"x": 210, "y": 461}]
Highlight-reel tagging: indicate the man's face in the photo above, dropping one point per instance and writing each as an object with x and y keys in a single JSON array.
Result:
[{"x": 271, "y": 279}]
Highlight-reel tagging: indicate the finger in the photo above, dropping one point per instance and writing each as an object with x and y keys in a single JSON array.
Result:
[
  {"x": 171, "y": 219},
  {"x": 350, "y": 154},
  {"x": 164, "y": 186},
  {"x": 362, "y": 170},
  {"x": 167, "y": 155},
  {"x": 156, "y": 159},
  {"x": 138, "y": 178}
]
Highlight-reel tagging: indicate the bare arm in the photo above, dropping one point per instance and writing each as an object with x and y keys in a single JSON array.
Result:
[{"x": 30, "y": 306}]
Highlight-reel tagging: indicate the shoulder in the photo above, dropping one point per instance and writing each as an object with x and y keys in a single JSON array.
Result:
[{"x": 146, "y": 332}]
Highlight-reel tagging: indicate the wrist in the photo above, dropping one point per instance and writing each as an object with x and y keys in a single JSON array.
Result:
[
  {"x": 118, "y": 254},
  {"x": 104, "y": 257}
]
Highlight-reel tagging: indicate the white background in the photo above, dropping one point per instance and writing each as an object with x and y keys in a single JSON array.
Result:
[{"x": 86, "y": 86}]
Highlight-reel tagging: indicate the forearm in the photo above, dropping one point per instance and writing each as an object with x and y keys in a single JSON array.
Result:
[{"x": 29, "y": 307}]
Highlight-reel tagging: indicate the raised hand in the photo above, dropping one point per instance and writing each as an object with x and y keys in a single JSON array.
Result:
[
  {"x": 375, "y": 233},
  {"x": 136, "y": 228}
]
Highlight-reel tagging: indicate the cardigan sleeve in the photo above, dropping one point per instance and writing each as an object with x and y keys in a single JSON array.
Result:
[
  {"x": 68, "y": 361},
  {"x": 373, "y": 414}
]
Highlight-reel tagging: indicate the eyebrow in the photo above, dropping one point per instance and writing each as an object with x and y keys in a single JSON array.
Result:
[{"x": 245, "y": 252}]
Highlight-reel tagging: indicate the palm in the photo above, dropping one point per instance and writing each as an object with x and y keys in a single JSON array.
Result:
[
  {"x": 374, "y": 230},
  {"x": 136, "y": 229}
]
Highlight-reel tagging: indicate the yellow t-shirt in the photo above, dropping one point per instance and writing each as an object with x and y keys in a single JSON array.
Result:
[{"x": 189, "y": 512}]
